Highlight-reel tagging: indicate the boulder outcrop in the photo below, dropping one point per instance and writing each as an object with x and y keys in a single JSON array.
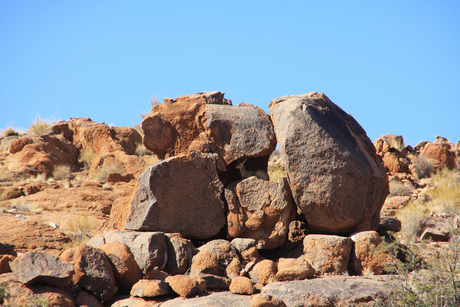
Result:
[
  {"x": 207, "y": 122},
  {"x": 335, "y": 176},
  {"x": 180, "y": 194}
]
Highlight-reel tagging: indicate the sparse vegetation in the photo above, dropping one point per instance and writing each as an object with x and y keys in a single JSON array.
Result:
[
  {"x": 41, "y": 126},
  {"x": 275, "y": 169},
  {"x": 103, "y": 171},
  {"x": 5, "y": 174},
  {"x": 86, "y": 158},
  {"x": 423, "y": 167},
  {"x": 61, "y": 172},
  {"x": 141, "y": 151},
  {"x": 398, "y": 188},
  {"x": 139, "y": 129},
  {"x": 411, "y": 218},
  {"x": 445, "y": 191},
  {"x": 8, "y": 132},
  {"x": 81, "y": 228}
]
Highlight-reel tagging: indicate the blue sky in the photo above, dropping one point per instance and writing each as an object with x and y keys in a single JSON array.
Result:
[{"x": 393, "y": 65}]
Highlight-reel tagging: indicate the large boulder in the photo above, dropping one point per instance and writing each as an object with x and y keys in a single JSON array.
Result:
[
  {"x": 335, "y": 175},
  {"x": 260, "y": 210},
  {"x": 180, "y": 194},
  {"x": 207, "y": 122},
  {"x": 219, "y": 299},
  {"x": 37, "y": 267},
  {"x": 93, "y": 271},
  {"x": 367, "y": 258},
  {"x": 441, "y": 155},
  {"x": 391, "y": 149}
]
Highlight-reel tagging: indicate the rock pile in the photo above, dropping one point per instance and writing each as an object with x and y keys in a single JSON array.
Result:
[{"x": 207, "y": 218}]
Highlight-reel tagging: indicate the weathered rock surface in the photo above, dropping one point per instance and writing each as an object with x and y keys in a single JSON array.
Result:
[
  {"x": 335, "y": 175},
  {"x": 205, "y": 262},
  {"x": 241, "y": 285},
  {"x": 150, "y": 288},
  {"x": 394, "y": 155},
  {"x": 150, "y": 249},
  {"x": 220, "y": 299},
  {"x": 436, "y": 229},
  {"x": 183, "y": 285},
  {"x": 180, "y": 253},
  {"x": 337, "y": 291},
  {"x": 38, "y": 267},
  {"x": 135, "y": 302},
  {"x": 180, "y": 194},
  {"x": 440, "y": 154},
  {"x": 40, "y": 154},
  {"x": 265, "y": 300},
  {"x": 207, "y": 122},
  {"x": 260, "y": 210},
  {"x": 264, "y": 272},
  {"x": 327, "y": 254},
  {"x": 93, "y": 271},
  {"x": 366, "y": 257},
  {"x": 124, "y": 265},
  {"x": 5, "y": 263},
  {"x": 215, "y": 282},
  {"x": 18, "y": 294},
  {"x": 224, "y": 251},
  {"x": 84, "y": 299},
  {"x": 293, "y": 269}
]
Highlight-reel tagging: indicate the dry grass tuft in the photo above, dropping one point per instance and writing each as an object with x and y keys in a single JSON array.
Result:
[
  {"x": 81, "y": 228},
  {"x": 61, "y": 172},
  {"x": 445, "y": 191},
  {"x": 103, "y": 171},
  {"x": 141, "y": 151},
  {"x": 411, "y": 218},
  {"x": 398, "y": 188},
  {"x": 86, "y": 157},
  {"x": 139, "y": 129},
  {"x": 41, "y": 126}
]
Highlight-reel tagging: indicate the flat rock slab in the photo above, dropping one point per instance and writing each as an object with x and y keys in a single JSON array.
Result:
[
  {"x": 38, "y": 267},
  {"x": 335, "y": 175},
  {"x": 179, "y": 195},
  {"x": 332, "y": 291},
  {"x": 222, "y": 299}
]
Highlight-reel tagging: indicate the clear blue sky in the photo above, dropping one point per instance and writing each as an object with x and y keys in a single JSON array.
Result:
[{"x": 393, "y": 65}]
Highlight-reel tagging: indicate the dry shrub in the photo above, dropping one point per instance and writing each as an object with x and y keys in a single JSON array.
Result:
[
  {"x": 423, "y": 167},
  {"x": 41, "y": 126},
  {"x": 275, "y": 169},
  {"x": 411, "y": 218},
  {"x": 61, "y": 172},
  {"x": 398, "y": 188},
  {"x": 86, "y": 158},
  {"x": 139, "y": 129},
  {"x": 106, "y": 169},
  {"x": 8, "y": 132}
]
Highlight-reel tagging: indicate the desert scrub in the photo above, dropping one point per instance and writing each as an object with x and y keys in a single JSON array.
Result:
[
  {"x": 423, "y": 167},
  {"x": 397, "y": 188},
  {"x": 103, "y": 171},
  {"x": 431, "y": 281},
  {"x": 61, "y": 172},
  {"x": 81, "y": 228},
  {"x": 41, "y": 126},
  {"x": 86, "y": 158},
  {"x": 411, "y": 218}
]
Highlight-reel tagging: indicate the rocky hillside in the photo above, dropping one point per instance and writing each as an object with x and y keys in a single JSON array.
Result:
[{"x": 198, "y": 204}]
